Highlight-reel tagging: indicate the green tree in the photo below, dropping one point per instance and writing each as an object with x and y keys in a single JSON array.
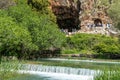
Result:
[
  {"x": 47, "y": 35},
  {"x": 42, "y": 26},
  {"x": 113, "y": 10},
  {"x": 114, "y": 13},
  {"x": 41, "y": 5},
  {"x": 14, "y": 40}
]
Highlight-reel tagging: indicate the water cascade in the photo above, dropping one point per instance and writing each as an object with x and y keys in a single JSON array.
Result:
[
  {"x": 57, "y": 69},
  {"x": 59, "y": 73}
]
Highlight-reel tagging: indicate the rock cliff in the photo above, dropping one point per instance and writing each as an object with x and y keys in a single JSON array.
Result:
[
  {"x": 94, "y": 17},
  {"x": 83, "y": 15}
]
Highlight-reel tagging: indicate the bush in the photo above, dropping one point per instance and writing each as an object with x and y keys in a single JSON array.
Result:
[
  {"x": 101, "y": 45},
  {"x": 70, "y": 51},
  {"x": 13, "y": 38},
  {"x": 82, "y": 41},
  {"x": 20, "y": 12},
  {"x": 107, "y": 51},
  {"x": 28, "y": 29},
  {"x": 47, "y": 35},
  {"x": 41, "y": 5}
]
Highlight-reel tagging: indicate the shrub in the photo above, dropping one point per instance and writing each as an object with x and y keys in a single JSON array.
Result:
[
  {"x": 47, "y": 35},
  {"x": 70, "y": 51},
  {"x": 13, "y": 38},
  {"x": 107, "y": 51},
  {"x": 101, "y": 45},
  {"x": 82, "y": 41},
  {"x": 34, "y": 30}
]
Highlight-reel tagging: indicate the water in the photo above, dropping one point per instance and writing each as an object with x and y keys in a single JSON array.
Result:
[
  {"x": 35, "y": 75},
  {"x": 41, "y": 72},
  {"x": 57, "y": 69},
  {"x": 75, "y": 60},
  {"x": 66, "y": 71},
  {"x": 88, "y": 64}
]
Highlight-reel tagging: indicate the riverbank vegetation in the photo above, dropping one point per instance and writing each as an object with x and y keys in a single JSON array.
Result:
[
  {"x": 29, "y": 29},
  {"x": 101, "y": 45},
  {"x": 109, "y": 75},
  {"x": 112, "y": 10},
  {"x": 8, "y": 69},
  {"x": 25, "y": 30}
]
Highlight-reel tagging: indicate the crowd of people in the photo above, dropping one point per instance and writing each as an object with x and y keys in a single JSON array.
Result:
[
  {"x": 89, "y": 26},
  {"x": 67, "y": 32}
]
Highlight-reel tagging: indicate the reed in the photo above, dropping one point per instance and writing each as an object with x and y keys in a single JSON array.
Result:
[
  {"x": 8, "y": 69},
  {"x": 109, "y": 75}
]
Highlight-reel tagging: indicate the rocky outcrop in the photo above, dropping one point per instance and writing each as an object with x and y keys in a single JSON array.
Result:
[
  {"x": 6, "y": 3},
  {"x": 85, "y": 15},
  {"x": 94, "y": 18}
]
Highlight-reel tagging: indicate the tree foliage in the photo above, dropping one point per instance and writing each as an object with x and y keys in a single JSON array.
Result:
[
  {"x": 23, "y": 29},
  {"x": 113, "y": 10},
  {"x": 27, "y": 28},
  {"x": 13, "y": 38},
  {"x": 47, "y": 35},
  {"x": 114, "y": 13}
]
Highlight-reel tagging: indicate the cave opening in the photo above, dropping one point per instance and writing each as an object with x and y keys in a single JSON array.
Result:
[
  {"x": 98, "y": 22},
  {"x": 68, "y": 16},
  {"x": 68, "y": 24}
]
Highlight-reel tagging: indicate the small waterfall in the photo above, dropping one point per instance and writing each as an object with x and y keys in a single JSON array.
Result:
[{"x": 57, "y": 69}]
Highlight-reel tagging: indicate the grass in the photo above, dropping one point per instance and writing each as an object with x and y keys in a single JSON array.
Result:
[
  {"x": 8, "y": 69},
  {"x": 113, "y": 74}
]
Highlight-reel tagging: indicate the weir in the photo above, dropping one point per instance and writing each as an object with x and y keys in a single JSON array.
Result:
[
  {"x": 57, "y": 69},
  {"x": 44, "y": 72}
]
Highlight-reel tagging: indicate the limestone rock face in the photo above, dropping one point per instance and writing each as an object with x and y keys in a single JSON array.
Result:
[
  {"x": 6, "y": 3},
  {"x": 85, "y": 15},
  {"x": 94, "y": 17}
]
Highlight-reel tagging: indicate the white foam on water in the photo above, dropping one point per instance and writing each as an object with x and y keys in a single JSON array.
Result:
[{"x": 58, "y": 76}]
